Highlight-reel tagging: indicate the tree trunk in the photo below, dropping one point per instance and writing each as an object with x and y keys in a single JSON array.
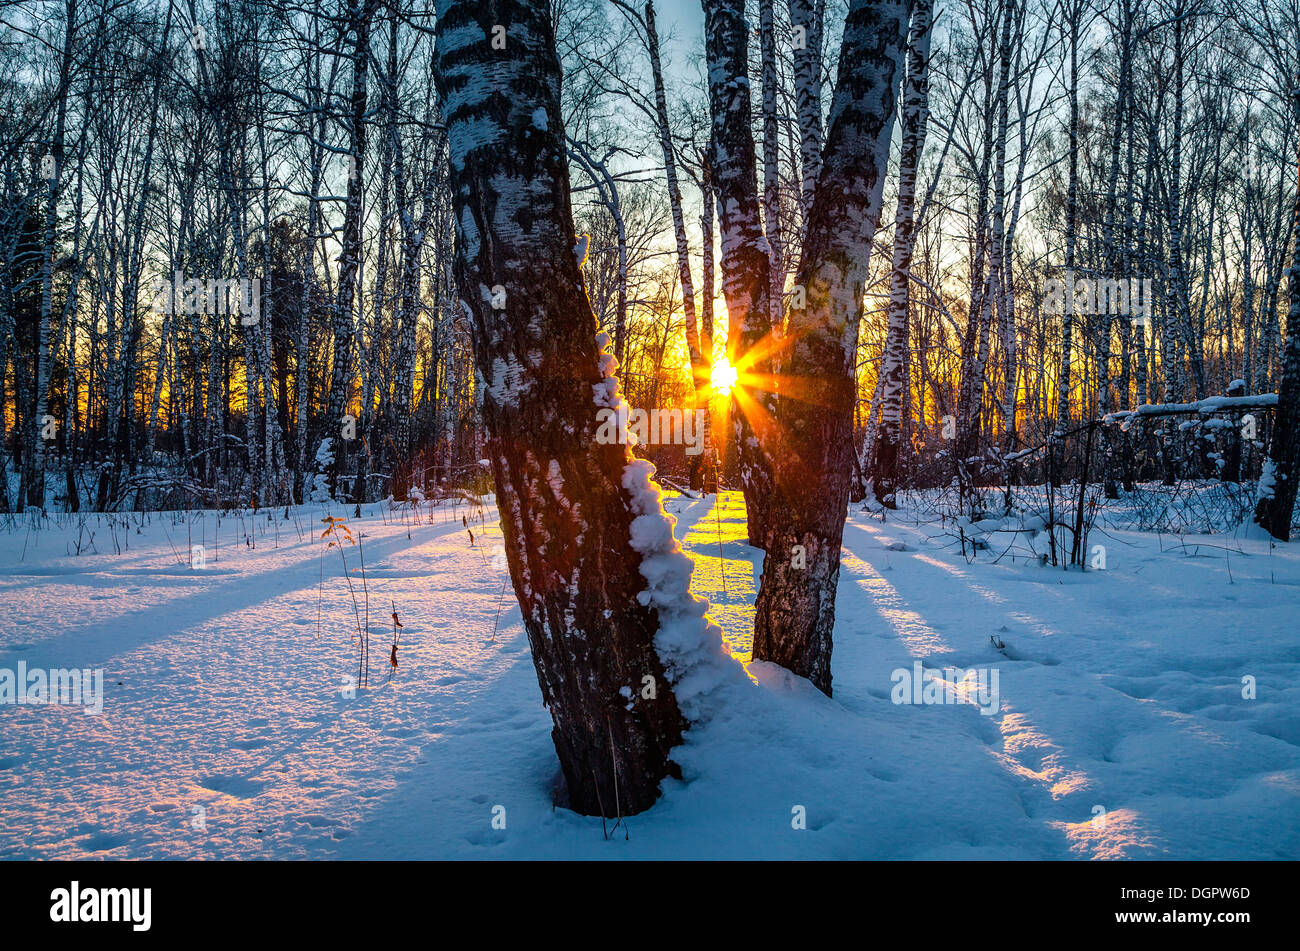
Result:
[
  {"x": 34, "y": 457},
  {"x": 807, "y": 17},
  {"x": 330, "y": 458},
  {"x": 584, "y": 528},
  {"x": 746, "y": 267},
  {"x": 699, "y": 359},
  {"x": 915, "y": 112},
  {"x": 811, "y": 447},
  {"x": 1073, "y": 13},
  {"x": 771, "y": 161},
  {"x": 1277, "y": 483}
]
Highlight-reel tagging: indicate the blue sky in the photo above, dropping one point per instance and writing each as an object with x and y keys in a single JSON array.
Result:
[
  {"x": 687, "y": 16},
  {"x": 684, "y": 20}
]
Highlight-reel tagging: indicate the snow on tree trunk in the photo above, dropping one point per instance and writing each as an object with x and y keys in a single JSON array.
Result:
[
  {"x": 914, "y": 114},
  {"x": 619, "y": 643},
  {"x": 812, "y": 445}
]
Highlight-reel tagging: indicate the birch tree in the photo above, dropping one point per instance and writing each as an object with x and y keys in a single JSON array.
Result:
[
  {"x": 811, "y": 447},
  {"x": 915, "y": 109},
  {"x": 603, "y": 587},
  {"x": 34, "y": 468},
  {"x": 330, "y": 455},
  {"x": 807, "y": 18},
  {"x": 1277, "y": 482},
  {"x": 746, "y": 264}
]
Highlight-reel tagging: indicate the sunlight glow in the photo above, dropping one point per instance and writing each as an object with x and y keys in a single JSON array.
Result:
[{"x": 724, "y": 376}]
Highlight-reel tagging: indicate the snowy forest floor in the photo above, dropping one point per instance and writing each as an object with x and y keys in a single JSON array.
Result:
[{"x": 1121, "y": 731}]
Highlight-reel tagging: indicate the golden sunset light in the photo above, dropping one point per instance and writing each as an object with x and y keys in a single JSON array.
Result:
[
  {"x": 723, "y": 376},
  {"x": 649, "y": 431}
]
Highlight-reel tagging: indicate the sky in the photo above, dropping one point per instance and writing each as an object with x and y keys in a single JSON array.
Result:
[
  {"x": 685, "y": 16},
  {"x": 682, "y": 21}
]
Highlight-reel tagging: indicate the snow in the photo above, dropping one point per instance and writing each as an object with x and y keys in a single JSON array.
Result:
[
  {"x": 227, "y": 730},
  {"x": 510, "y": 382},
  {"x": 469, "y": 233},
  {"x": 320, "y": 484},
  {"x": 1267, "y": 486},
  {"x": 689, "y": 644},
  {"x": 1211, "y": 404}
]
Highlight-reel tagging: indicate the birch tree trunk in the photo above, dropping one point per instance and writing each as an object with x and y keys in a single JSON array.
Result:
[
  {"x": 314, "y": 127},
  {"x": 914, "y": 114},
  {"x": 811, "y": 447},
  {"x": 771, "y": 160},
  {"x": 413, "y": 231},
  {"x": 1277, "y": 483},
  {"x": 34, "y": 458},
  {"x": 702, "y": 469},
  {"x": 746, "y": 267},
  {"x": 584, "y": 528},
  {"x": 699, "y": 359},
  {"x": 707, "y": 288},
  {"x": 994, "y": 298},
  {"x": 974, "y": 352},
  {"x": 1073, "y": 12},
  {"x": 344, "y": 328},
  {"x": 807, "y": 18}
]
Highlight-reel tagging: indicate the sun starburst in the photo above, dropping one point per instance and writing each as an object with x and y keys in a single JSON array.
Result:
[{"x": 724, "y": 376}]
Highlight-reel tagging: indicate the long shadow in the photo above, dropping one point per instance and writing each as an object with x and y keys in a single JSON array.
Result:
[{"x": 95, "y": 644}]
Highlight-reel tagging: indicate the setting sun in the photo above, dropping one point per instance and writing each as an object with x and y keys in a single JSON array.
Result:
[{"x": 724, "y": 376}]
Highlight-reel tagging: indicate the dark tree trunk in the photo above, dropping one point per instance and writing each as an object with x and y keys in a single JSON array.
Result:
[
  {"x": 811, "y": 447},
  {"x": 746, "y": 267},
  {"x": 1282, "y": 468},
  {"x": 569, "y": 504}
]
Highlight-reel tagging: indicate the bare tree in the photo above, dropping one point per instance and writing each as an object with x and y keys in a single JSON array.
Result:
[{"x": 915, "y": 108}]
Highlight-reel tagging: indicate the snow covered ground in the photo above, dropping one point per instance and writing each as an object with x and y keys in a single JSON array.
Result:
[{"x": 1121, "y": 729}]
